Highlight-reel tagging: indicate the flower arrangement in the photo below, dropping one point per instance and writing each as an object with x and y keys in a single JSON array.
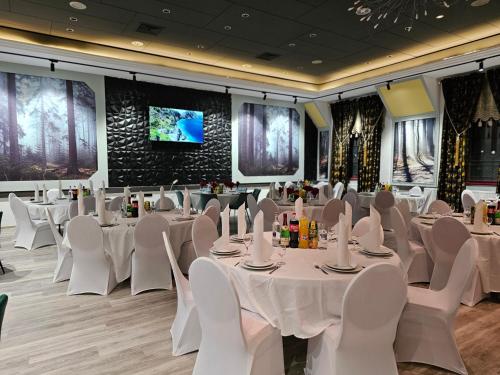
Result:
[{"x": 217, "y": 187}]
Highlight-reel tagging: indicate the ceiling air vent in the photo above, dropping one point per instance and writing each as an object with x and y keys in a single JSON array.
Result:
[
  {"x": 268, "y": 56},
  {"x": 147, "y": 28}
]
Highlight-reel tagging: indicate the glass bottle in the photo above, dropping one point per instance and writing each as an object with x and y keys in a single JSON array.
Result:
[
  {"x": 276, "y": 231},
  {"x": 313, "y": 235},
  {"x": 294, "y": 232},
  {"x": 285, "y": 232}
]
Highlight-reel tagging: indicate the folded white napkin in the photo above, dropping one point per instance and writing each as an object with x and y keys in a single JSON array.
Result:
[
  {"x": 277, "y": 186},
  {"x": 262, "y": 249},
  {"x": 348, "y": 220},
  {"x": 81, "y": 205},
  {"x": 186, "y": 204},
  {"x": 224, "y": 239},
  {"x": 322, "y": 196},
  {"x": 141, "y": 211},
  {"x": 299, "y": 207},
  {"x": 285, "y": 195},
  {"x": 479, "y": 224},
  {"x": 91, "y": 187},
  {"x": 37, "y": 193},
  {"x": 163, "y": 202},
  {"x": 102, "y": 215},
  {"x": 415, "y": 191},
  {"x": 242, "y": 222},
  {"x": 61, "y": 194},
  {"x": 44, "y": 194},
  {"x": 343, "y": 256},
  {"x": 372, "y": 240}
]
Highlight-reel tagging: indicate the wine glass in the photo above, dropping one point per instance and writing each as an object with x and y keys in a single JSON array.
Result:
[
  {"x": 281, "y": 254},
  {"x": 247, "y": 240},
  {"x": 323, "y": 236},
  {"x": 489, "y": 220}
]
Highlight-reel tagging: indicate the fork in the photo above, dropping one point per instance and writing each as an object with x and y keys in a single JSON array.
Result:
[{"x": 320, "y": 268}]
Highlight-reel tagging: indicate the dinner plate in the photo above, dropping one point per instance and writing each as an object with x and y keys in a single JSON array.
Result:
[
  {"x": 163, "y": 210},
  {"x": 228, "y": 248},
  {"x": 183, "y": 218},
  {"x": 341, "y": 268},
  {"x": 108, "y": 225},
  {"x": 235, "y": 238},
  {"x": 425, "y": 216},
  {"x": 247, "y": 265},
  {"x": 250, "y": 263},
  {"x": 377, "y": 254},
  {"x": 36, "y": 201},
  {"x": 426, "y": 222},
  {"x": 487, "y": 233},
  {"x": 224, "y": 253},
  {"x": 46, "y": 204},
  {"x": 353, "y": 270}
]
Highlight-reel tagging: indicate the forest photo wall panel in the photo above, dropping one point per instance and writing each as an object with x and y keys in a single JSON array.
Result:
[
  {"x": 47, "y": 128},
  {"x": 268, "y": 141},
  {"x": 414, "y": 158}
]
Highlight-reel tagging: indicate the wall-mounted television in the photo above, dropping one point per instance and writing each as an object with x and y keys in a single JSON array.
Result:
[{"x": 175, "y": 125}]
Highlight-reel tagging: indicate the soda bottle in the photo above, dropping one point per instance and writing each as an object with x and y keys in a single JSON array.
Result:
[
  {"x": 285, "y": 232},
  {"x": 303, "y": 233},
  {"x": 313, "y": 235},
  {"x": 294, "y": 232},
  {"x": 276, "y": 231}
]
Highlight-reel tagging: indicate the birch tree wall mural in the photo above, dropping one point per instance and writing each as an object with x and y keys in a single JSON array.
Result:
[
  {"x": 268, "y": 140},
  {"x": 414, "y": 152},
  {"x": 47, "y": 128}
]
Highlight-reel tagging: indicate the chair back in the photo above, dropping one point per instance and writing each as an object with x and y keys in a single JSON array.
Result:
[
  {"x": 180, "y": 197},
  {"x": 204, "y": 199},
  {"x": 20, "y": 211},
  {"x": 204, "y": 234},
  {"x": 331, "y": 212},
  {"x": 371, "y": 308},
  {"x": 3, "y": 306},
  {"x": 384, "y": 201},
  {"x": 404, "y": 208},
  {"x": 269, "y": 208},
  {"x": 448, "y": 236},
  {"x": 52, "y": 195},
  {"x": 352, "y": 197},
  {"x": 181, "y": 283},
  {"x": 148, "y": 237},
  {"x": 329, "y": 191},
  {"x": 289, "y": 215},
  {"x": 53, "y": 228},
  {"x": 238, "y": 201},
  {"x": 214, "y": 202},
  {"x": 89, "y": 204},
  {"x": 338, "y": 190},
  {"x": 401, "y": 233},
  {"x": 363, "y": 226},
  {"x": 468, "y": 199},
  {"x": 439, "y": 207},
  {"x": 213, "y": 212},
  {"x": 252, "y": 206},
  {"x": 255, "y": 194},
  {"x": 86, "y": 239},
  {"x": 218, "y": 308},
  {"x": 115, "y": 204},
  {"x": 169, "y": 203},
  {"x": 463, "y": 266},
  {"x": 73, "y": 209}
]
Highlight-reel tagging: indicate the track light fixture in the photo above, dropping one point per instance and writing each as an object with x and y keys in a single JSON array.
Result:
[
  {"x": 388, "y": 85},
  {"x": 294, "y": 100},
  {"x": 227, "y": 89},
  {"x": 265, "y": 96},
  {"x": 481, "y": 66},
  {"x": 134, "y": 77},
  {"x": 339, "y": 96},
  {"x": 52, "y": 65}
]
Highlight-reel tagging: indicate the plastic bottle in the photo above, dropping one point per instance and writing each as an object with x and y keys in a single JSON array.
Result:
[
  {"x": 313, "y": 235},
  {"x": 303, "y": 233},
  {"x": 294, "y": 232}
]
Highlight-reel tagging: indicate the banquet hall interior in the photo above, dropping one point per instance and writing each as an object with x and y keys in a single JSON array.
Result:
[{"x": 250, "y": 187}]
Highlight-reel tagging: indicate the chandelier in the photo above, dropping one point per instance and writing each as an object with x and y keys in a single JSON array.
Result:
[{"x": 381, "y": 11}]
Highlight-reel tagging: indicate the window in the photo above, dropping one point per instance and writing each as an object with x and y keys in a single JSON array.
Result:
[{"x": 484, "y": 153}]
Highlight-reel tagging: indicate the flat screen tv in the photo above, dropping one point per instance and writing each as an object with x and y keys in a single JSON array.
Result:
[{"x": 175, "y": 125}]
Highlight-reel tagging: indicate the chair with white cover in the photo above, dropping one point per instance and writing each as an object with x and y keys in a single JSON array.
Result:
[
  {"x": 269, "y": 208},
  {"x": 233, "y": 341},
  {"x": 150, "y": 263},
  {"x": 204, "y": 234},
  {"x": 338, "y": 190},
  {"x": 64, "y": 256},
  {"x": 73, "y": 209},
  {"x": 252, "y": 207},
  {"x": 430, "y": 195},
  {"x": 362, "y": 341},
  {"x": 215, "y": 203},
  {"x": 213, "y": 213},
  {"x": 363, "y": 226},
  {"x": 115, "y": 204},
  {"x": 404, "y": 208},
  {"x": 89, "y": 204},
  {"x": 329, "y": 190},
  {"x": 52, "y": 195},
  {"x": 384, "y": 201},
  {"x": 439, "y": 207},
  {"x": 468, "y": 199},
  {"x": 331, "y": 212},
  {"x": 185, "y": 330},
  {"x": 30, "y": 234},
  {"x": 448, "y": 236},
  {"x": 169, "y": 204},
  {"x": 416, "y": 261},
  {"x": 93, "y": 270},
  {"x": 352, "y": 197},
  {"x": 426, "y": 328}
]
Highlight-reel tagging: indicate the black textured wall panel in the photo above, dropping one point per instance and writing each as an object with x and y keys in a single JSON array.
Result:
[{"x": 134, "y": 160}]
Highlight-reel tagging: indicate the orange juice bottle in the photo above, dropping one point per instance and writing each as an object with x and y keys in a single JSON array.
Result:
[{"x": 303, "y": 233}]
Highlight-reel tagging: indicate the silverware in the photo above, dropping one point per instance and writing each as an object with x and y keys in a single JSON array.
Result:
[
  {"x": 238, "y": 262},
  {"x": 321, "y": 269},
  {"x": 496, "y": 234},
  {"x": 229, "y": 256},
  {"x": 275, "y": 268}
]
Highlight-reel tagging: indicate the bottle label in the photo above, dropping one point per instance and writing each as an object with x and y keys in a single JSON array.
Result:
[{"x": 294, "y": 227}]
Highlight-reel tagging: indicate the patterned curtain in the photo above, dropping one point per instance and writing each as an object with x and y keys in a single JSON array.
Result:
[
  {"x": 494, "y": 81},
  {"x": 461, "y": 95},
  {"x": 344, "y": 115},
  {"x": 371, "y": 111}
]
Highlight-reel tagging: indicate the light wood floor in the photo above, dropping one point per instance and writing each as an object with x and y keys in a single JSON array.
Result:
[{"x": 47, "y": 332}]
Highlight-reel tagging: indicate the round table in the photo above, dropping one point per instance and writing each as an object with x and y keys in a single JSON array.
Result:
[
  {"x": 311, "y": 211},
  {"x": 415, "y": 202},
  {"x": 297, "y": 298},
  {"x": 59, "y": 210},
  {"x": 489, "y": 251}
]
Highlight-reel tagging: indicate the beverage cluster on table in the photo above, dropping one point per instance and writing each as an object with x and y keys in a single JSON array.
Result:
[
  {"x": 491, "y": 213},
  {"x": 296, "y": 233}
]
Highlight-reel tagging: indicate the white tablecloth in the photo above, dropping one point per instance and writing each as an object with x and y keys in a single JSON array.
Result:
[
  {"x": 313, "y": 212},
  {"x": 119, "y": 241},
  {"x": 59, "y": 211},
  {"x": 366, "y": 199},
  {"x": 489, "y": 253},
  {"x": 298, "y": 299}
]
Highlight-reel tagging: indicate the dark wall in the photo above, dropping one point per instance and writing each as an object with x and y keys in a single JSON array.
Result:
[
  {"x": 310, "y": 150},
  {"x": 134, "y": 160}
]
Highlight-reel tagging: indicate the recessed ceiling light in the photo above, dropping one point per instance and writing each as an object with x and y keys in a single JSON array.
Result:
[
  {"x": 363, "y": 11},
  {"x": 77, "y": 5},
  {"x": 245, "y": 15},
  {"x": 247, "y": 65},
  {"x": 439, "y": 16},
  {"x": 73, "y": 19},
  {"x": 316, "y": 62},
  {"x": 291, "y": 44},
  {"x": 313, "y": 35},
  {"x": 300, "y": 67},
  {"x": 227, "y": 27},
  {"x": 200, "y": 46},
  {"x": 70, "y": 30},
  {"x": 137, "y": 43},
  {"x": 479, "y": 3},
  {"x": 165, "y": 10}
]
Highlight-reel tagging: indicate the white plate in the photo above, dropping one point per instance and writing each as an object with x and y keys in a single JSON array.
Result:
[
  {"x": 226, "y": 249},
  {"x": 249, "y": 264},
  {"x": 425, "y": 217},
  {"x": 183, "y": 218},
  {"x": 341, "y": 268},
  {"x": 224, "y": 253},
  {"x": 377, "y": 254},
  {"x": 426, "y": 222},
  {"x": 235, "y": 238},
  {"x": 354, "y": 270},
  {"x": 46, "y": 204},
  {"x": 487, "y": 233}
]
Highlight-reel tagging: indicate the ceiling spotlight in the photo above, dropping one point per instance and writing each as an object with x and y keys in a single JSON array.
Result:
[
  {"x": 439, "y": 16},
  {"x": 363, "y": 11},
  {"x": 77, "y": 5},
  {"x": 265, "y": 96},
  {"x": 247, "y": 65},
  {"x": 134, "y": 77},
  {"x": 479, "y": 3},
  {"x": 52, "y": 65},
  {"x": 245, "y": 15},
  {"x": 227, "y": 28},
  {"x": 70, "y": 30},
  {"x": 317, "y": 62},
  {"x": 481, "y": 66},
  {"x": 227, "y": 89},
  {"x": 294, "y": 100},
  {"x": 165, "y": 11},
  {"x": 313, "y": 35},
  {"x": 73, "y": 19},
  {"x": 388, "y": 85},
  {"x": 137, "y": 43},
  {"x": 200, "y": 46},
  {"x": 291, "y": 45},
  {"x": 339, "y": 96}
]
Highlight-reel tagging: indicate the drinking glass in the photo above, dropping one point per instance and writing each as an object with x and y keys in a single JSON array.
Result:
[
  {"x": 331, "y": 234},
  {"x": 322, "y": 236},
  {"x": 467, "y": 214},
  {"x": 116, "y": 215},
  {"x": 489, "y": 220},
  {"x": 247, "y": 240}
]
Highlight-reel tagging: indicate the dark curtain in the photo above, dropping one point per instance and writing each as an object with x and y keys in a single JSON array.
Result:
[
  {"x": 494, "y": 81},
  {"x": 344, "y": 115},
  {"x": 371, "y": 111},
  {"x": 461, "y": 95},
  {"x": 310, "y": 150}
]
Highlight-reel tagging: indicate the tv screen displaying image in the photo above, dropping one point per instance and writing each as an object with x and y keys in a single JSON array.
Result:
[{"x": 175, "y": 125}]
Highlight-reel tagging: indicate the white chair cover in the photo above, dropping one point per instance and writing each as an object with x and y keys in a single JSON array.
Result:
[
  {"x": 89, "y": 203},
  {"x": 93, "y": 270},
  {"x": 384, "y": 201},
  {"x": 115, "y": 204},
  {"x": 169, "y": 204},
  {"x": 468, "y": 199},
  {"x": 329, "y": 191},
  {"x": 352, "y": 197},
  {"x": 233, "y": 341},
  {"x": 362, "y": 342},
  {"x": 30, "y": 234},
  {"x": 439, "y": 207},
  {"x": 363, "y": 226},
  {"x": 185, "y": 330},
  {"x": 331, "y": 212},
  {"x": 338, "y": 190},
  {"x": 64, "y": 257},
  {"x": 150, "y": 264},
  {"x": 204, "y": 234},
  {"x": 52, "y": 194},
  {"x": 214, "y": 202},
  {"x": 73, "y": 209},
  {"x": 269, "y": 208},
  {"x": 213, "y": 212},
  {"x": 426, "y": 328}
]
